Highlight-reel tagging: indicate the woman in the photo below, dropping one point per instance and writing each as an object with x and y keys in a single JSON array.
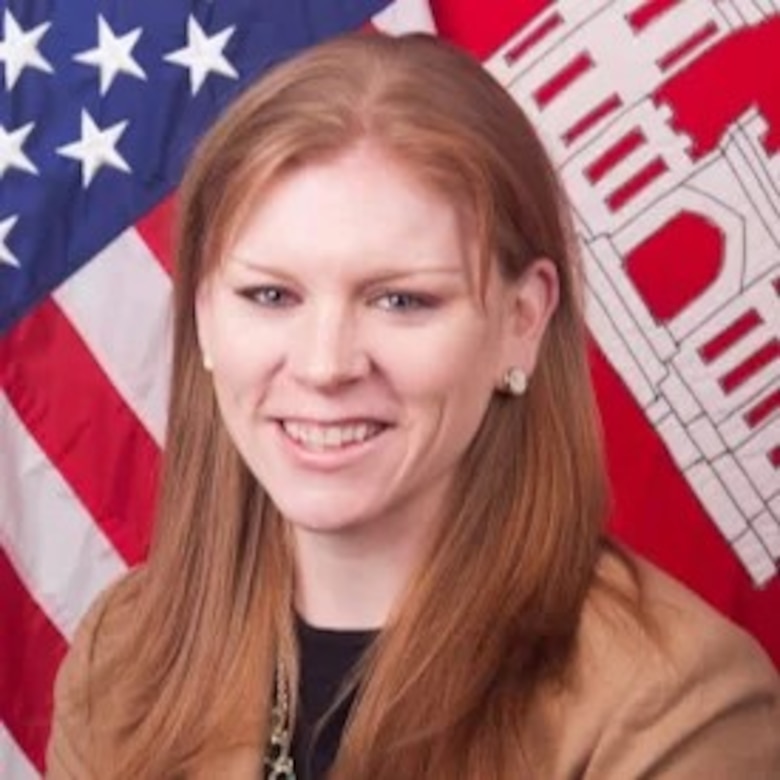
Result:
[{"x": 380, "y": 547}]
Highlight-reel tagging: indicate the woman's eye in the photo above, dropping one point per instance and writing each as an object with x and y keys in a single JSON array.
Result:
[
  {"x": 269, "y": 295},
  {"x": 403, "y": 301}
]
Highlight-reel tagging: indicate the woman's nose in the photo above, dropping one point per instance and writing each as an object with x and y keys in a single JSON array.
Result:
[{"x": 329, "y": 349}]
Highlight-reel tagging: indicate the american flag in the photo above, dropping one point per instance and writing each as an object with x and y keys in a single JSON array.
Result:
[
  {"x": 654, "y": 110},
  {"x": 101, "y": 105}
]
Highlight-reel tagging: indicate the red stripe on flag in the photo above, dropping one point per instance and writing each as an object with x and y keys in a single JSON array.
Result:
[
  {"x": 688, "y": 45},
  {"x": 83, "y": 425},
  {"x": 749, "y": 367},
  {"x": 774, "y": 457},
  {"x": 636, "y": 184},
  {"x": 156, "y": 229},
  {"x": 563, "y": 79},
  {"x": 536, "y": 35},
  {"x": 649, "y": 12},
  {"x": 592, "y": 118},
  {"x": 31, "y": 650},
  {"x": 617, "y": 152},
  {"x": 717, "y": 345},
  {"x": 763, "y": 409}
]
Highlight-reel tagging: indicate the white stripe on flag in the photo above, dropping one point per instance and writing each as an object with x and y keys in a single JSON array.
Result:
[
  {"x": 14, "y": 764},
  {"x": 405, "y": 16},
  {"x": 60, "y": 554},
  {"x": 120, "y": 304}
]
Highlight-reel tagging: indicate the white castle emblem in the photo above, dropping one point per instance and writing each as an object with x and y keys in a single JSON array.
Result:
[{"x": 677, "y": 202}]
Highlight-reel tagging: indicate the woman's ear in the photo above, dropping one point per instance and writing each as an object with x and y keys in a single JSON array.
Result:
[{"x": 530, "y": 301}]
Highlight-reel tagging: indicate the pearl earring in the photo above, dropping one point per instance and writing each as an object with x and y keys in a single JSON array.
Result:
[
  {"x": 515, "y": 381},
  {"x": 207, "y": 362}
]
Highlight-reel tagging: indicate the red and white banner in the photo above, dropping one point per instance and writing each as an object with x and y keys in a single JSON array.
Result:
[{"x": 664, "y": 119}]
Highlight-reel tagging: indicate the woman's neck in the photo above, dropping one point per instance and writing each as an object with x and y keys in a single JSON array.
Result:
[{"x": 351, "y": 578}]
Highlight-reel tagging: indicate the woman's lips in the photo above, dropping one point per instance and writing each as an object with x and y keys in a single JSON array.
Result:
[
  {"x": 328, "y": 447},
  {"x": 321, "y": 437}
]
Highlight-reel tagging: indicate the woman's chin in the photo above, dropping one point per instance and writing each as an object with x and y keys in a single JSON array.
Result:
[{"x": 324, "y": 517}]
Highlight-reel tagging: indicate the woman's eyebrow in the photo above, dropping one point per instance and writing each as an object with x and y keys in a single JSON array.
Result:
[
  {"x": 393, "y": 275},
  {"x": 259, "y": 268},
  {"x": 386, "y": 275}
]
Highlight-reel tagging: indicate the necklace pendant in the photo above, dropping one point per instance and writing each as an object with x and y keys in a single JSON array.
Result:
[
  {"x": 282, "y": 769},
  {"x": 278, "y": 761}
]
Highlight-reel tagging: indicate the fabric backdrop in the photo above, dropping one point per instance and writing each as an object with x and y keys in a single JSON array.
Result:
[{"x": 664, "y": 118}]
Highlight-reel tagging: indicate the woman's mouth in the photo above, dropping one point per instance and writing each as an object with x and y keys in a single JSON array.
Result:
[{"x": 322, "y": 437}]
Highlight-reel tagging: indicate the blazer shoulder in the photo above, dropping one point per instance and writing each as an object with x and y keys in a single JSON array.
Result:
[
  {"x": 679, "y": 633},
  {"x": 688, "y": 693},
  {"x": 68, "y": 750}
]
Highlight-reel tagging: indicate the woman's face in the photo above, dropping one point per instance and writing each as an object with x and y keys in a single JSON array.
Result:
[{"x": 353, "y": 359}]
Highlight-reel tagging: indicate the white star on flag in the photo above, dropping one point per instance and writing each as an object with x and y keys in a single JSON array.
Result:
[
  {"x": 203, "y": 55},
  {"x": 19, "y": 49},
  {"x": 96, "y": 148},
  {"x": 11, "y": 154},
  {"x": 6, "y": 256},
  {"x": 113, "y": 55}
]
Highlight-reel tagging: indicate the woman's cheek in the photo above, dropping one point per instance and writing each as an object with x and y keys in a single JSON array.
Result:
[{"x": 434, "y": 360}]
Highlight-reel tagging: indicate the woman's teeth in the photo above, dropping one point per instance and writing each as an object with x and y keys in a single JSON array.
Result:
[{"x": 317, "y": 436}]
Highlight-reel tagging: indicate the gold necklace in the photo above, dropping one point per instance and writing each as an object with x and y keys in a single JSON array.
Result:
[{"x": 278, "y": 761}]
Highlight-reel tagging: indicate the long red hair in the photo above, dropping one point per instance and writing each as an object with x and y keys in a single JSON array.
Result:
[{"x": 493, "y": 610}]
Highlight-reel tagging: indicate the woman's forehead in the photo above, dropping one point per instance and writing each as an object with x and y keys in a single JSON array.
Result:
[
  {"x": 252, "y": 190},
  {"x": 362, "y": 196}
]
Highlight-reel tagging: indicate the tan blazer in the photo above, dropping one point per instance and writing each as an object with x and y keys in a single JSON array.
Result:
[{"x": 703, "y": 704}]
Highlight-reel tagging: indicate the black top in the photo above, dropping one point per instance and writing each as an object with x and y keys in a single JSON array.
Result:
[{"x": 327, "y": 658}]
